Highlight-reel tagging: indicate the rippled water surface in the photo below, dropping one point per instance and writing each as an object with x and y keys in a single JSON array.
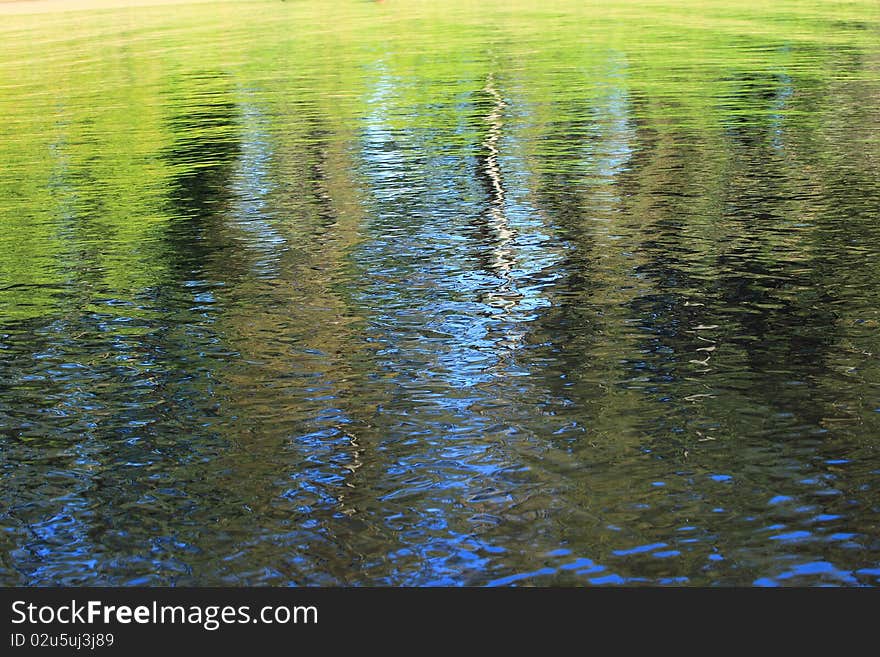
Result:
[{"x": 415, "y": 293}]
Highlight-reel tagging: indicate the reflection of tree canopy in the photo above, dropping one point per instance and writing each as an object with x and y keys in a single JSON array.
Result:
[{"x": 293, "y": 283}]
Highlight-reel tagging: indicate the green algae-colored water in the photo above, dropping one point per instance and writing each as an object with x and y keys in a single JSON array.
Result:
[{"x": 415, "y": 293}]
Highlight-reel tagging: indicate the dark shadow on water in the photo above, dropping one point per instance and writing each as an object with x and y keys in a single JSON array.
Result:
[{"x": 204, "y": 126}]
